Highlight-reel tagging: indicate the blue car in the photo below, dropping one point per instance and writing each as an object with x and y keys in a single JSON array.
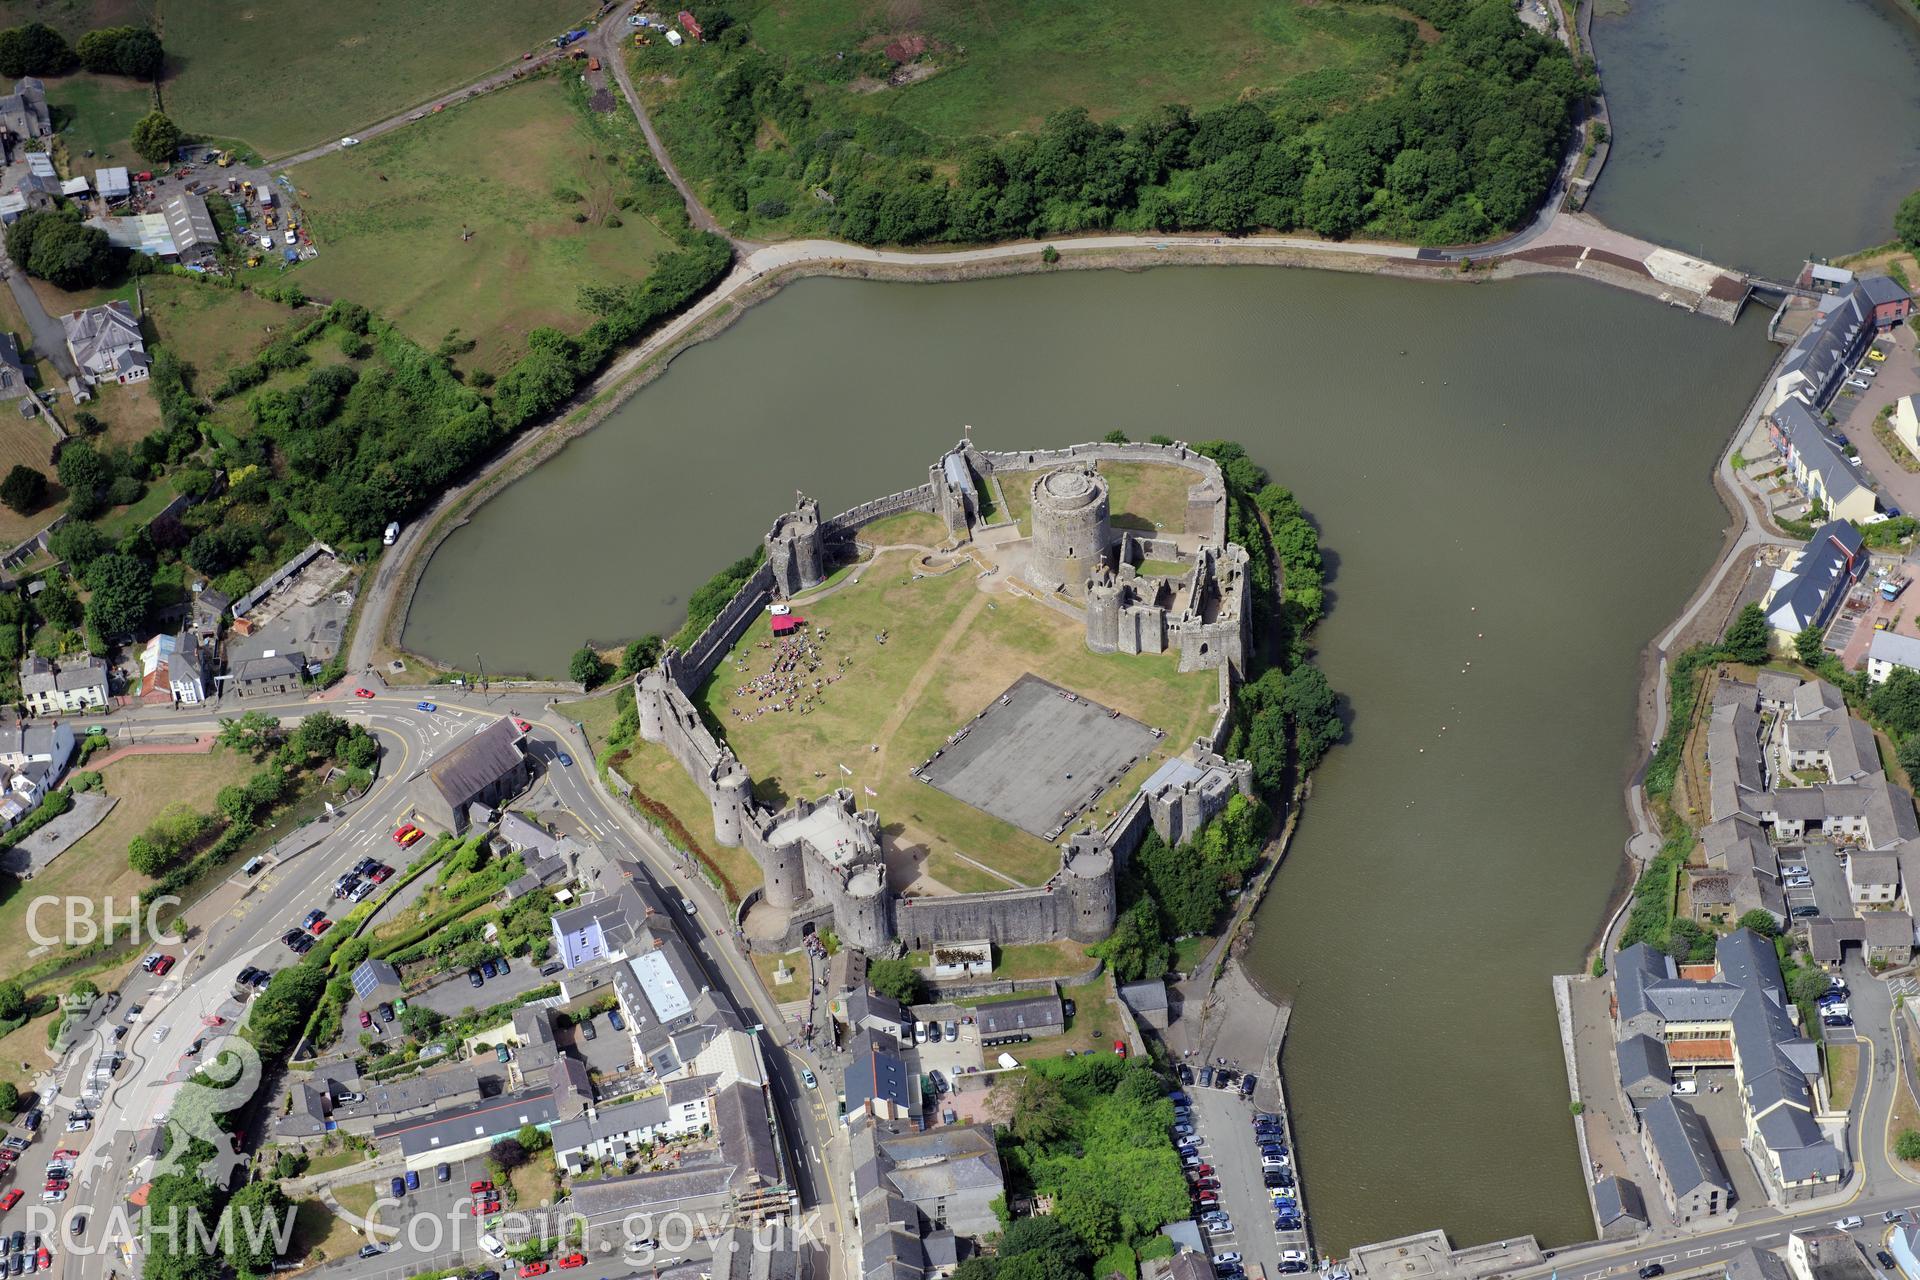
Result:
[
  {"x": 565, "y": 760},
  {"x": 424, "y": 706},
  {"x": 413, "y": 1180},
  {"x": 1178, "y": 1097},
  {"x": 619, "y": 1023},
  {"x": 399, "y": 1188}
]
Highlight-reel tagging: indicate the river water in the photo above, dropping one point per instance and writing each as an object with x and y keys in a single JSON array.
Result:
[{"x": 1513, "y": 484}]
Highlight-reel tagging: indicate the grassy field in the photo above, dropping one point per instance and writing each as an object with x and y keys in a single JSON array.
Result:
[
  {"x": 212, "y": 329},
  {"x": 1843, "y": 1073},
  {"x": 1006, "y": 64},
  {"x": 320, "y": 1234},
  {"x": 516, "y": 168},
  {"x": 27, "y": 442},
  {"x": 96, "y": 867},
  {"x": 659, "y": 777},
  {"x": 597, "y": 714},
  {"x": 292, "y": 76},
  {"x": 97, "y": 114},
  {"x": 948, "y": 653},
  {"x": 74, "y": 18},
  {"x": 1041, "y": 960},
  {"x": 1145, "y": 496},
  {"x": 909, "y": 528}
]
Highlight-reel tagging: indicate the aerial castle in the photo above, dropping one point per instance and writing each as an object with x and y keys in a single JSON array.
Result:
[{"x": 821, "y": 859}]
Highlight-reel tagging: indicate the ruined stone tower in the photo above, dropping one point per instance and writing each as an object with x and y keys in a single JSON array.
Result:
[
  {"x": 796, "y": 550},
  {"x": 1071, "y": 532}
]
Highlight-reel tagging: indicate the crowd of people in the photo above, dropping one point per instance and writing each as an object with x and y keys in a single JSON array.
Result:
[{"x": 793, "y": 680}]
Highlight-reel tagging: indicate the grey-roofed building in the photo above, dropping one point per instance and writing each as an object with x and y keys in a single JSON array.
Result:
[
  {"x": 606, "y": 927},
  {"x": 190, "y": 225},
  {"x": 308, "y": 1117},
  {"x": 1620, "y": 1207},
  {"x": 468, "y": 1130},
  {"x": 1042, "y": 1015},
  {"x": 1887, "y": 937},
  {"x": 1644, "y": 1071},
  {"x": 1776, "y": 689},
  {"x": 113, "y": 183},
  {"x": 488, "y": 768},
  {"x": 1890, "y": 651},
  {"x": 269, "y": 675},
  {"x": 72, "y": 684},
  {"x": 689, "y": 1188},
  {"x": 539, "y": 1048},
  {"x": 951, "y": 1175},
  {"x": 1818, "y": 361},
  {"x": 744, "y": 1131},
  {"x": 863, "y": 1009},
  {"x": 24, "y": 112},
  {"x": 375, "y": 979},
  {"x": 1734, "y": 757},
  {"x": 1685, "y": 1163},
  {"x": 1635, "y": 970},
  {"x": 1747, "y": 1262},
  {"x": 1840, "y": 745},
  {"x": 740, "y": 1254},
  {"x": 1806, "y": 592},
  {"x": 611, "y": 1133},
  {"x": 106, "y": 343},
  {"x": 877, "y": 1081},
  {"x": 1150, "y": 1001},
  {"x": 1873, "y": 879},
  {"x": 1823, "y": 1253}
]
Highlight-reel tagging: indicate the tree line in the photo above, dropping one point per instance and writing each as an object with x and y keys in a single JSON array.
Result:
[
  {"x": 36, "y": 49},
  {"x": 1465, "y": 143}
]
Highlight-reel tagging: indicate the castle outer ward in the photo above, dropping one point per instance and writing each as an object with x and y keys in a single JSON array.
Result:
[{"x": 821, "y": 859}]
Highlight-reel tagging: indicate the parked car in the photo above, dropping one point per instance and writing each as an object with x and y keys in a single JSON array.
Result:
[
  {"x": 11, "y": 1199},
  {"x": 1805, "y": 913},
  {"x": 413, "y": 1179},
  {"x": 443, "y": 1173},
  {"x": 398, "y": 1186},
  {"x": 572, "y": 1260},
  {"x": 1837, "y": 1020},
  {"x": 1885, "y": 1259},
  {"x": 614, "y": 1019},
  {"x": 808, "y": 1078},
  {"x": 371, "y": 1251},
  {"x": 366, "y": 1019},
  {"x": 533, "y": 1269},
  {"x": 386, "y": 1012},
  {"x": 474, "y": 978}
]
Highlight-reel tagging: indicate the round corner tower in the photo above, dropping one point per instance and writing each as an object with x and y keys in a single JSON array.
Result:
[
  {"x": 784, "y": 872},
  {"x": 796, "y": 549},
  {"x": 1071, "y": 531},
  {"x": 1087, "y": 874},
  {"x": 732, "y": 794},
  {"x": 861, "y": 912}
]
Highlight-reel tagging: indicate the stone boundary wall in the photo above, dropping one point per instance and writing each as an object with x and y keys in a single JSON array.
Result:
[
  {"x": 705, "y": 653},
  {"x": 1129, "y": 827},
  {"x": 1563, "y": 1012},
  {"x": 974, "y": 988},
  {"x": 866, "y": 513},
  {"x": 1177, "y": 455},
  {"x": 1223, "y": 724}
]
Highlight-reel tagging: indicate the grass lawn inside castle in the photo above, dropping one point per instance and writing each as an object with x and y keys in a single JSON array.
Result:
[{"x": 951, "y": 648}]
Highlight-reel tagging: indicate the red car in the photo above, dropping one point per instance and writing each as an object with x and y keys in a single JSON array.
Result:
[
  {"x": 573, "y": 1260},
  {"x": 400, "y": 836},
  {"x": 366, "y": 1019},
  {"x": 44, "y": 1258},
  {"x": 162, "y": 965},
  {"x": 522, "y": 725},
  {"x": 480, "y": 1186},
  {"x": 1205, "y": 1171},
  {"x": 363, "y": 693},
  {"x": 533, "y": 1269},
  {"x": 11, "y": 1199},
  {"x": 320, "y": 926},
  {"x": 57, "y": 1184},
  {"x": 66, "y": 1154},
  {"x": 380, "y": 873}
]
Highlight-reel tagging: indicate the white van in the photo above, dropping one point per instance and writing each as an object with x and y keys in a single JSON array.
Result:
[
  {"x": 253, "y": 865},
  {"x": 392, "y": 533},
  {"x": 919, "y": 1033}
]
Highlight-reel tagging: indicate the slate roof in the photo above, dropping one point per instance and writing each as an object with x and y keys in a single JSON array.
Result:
[
  {"x": 104, "y": 338},
  {"x": 1684, "y": 1147},
  {"x": 1616, "y": 1198},
  {"x": 1832, "y": 560},
  {"x": 1642, "y": 1058},
  {"x": 482, "y": 760},
  {"x": 1635, "y": 969},
  {"x": 876, "y": 1073},
  {"x": 1004, "y": 1017},
  {"x": 1822, "y": 355},
  {"x": 1881, "y": 290}
]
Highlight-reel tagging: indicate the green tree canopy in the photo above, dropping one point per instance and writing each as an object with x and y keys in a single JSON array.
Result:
[
  {"x": 13, "y": 1001},
  {"x": 34, "y": 49},
  {"x": 122, "y": 590},
  {"x": 121, "y": 51},
  {"x": 1761, "y": 922},
  {"x": 55, "y": 245},
  {"x": 156, "y": 138},
  {"x": 1896, "y": 701},
  {"x": 256, "y": 1218},
  {"x": 896, "y": 979},
  {"x": 1808, "y": 644},
  {"x": 83, "y": 472},
  {"x": 1906, "y": 221},
  {"x": 24, "y": 489},
  {"x": 1750, "y": 636},
  {"x": 586, "y": 667}
]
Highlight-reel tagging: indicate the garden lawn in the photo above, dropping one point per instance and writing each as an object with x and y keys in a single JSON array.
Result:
[
  {"x": 96, "y": 867},
  {"x": 213, "y": 329},
  {"x": 27, "y": 442},
  {"x": 909, "y": 528},
  {"x": 1024, "y": 59},
  {"x": 515, "y": 168},
  {"x": 97, "y": 114},
  {"x": 291, "y": 76},
  {"x": 947, "y": 655}
]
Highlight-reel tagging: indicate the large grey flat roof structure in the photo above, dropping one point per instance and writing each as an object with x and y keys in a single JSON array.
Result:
[{"x": 1038, "y": 756}]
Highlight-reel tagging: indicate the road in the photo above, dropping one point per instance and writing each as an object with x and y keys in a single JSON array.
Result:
[{"x": 173, "y": 1010}]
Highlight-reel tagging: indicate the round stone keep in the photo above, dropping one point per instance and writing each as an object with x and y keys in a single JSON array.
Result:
[{"x": 1071, "y": 530}]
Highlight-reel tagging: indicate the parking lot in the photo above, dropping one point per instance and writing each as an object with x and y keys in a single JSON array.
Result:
[
  {"x": 951, "y": 1058},
  {"x": 1222, "y": 1121},
  {"x": 435, "y": 1226}
]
